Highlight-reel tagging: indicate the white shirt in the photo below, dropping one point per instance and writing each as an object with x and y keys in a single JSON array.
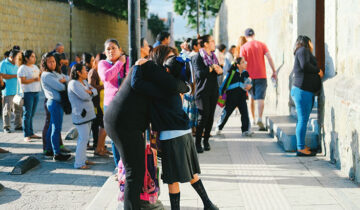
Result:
[{"x": 29, "y": 72}]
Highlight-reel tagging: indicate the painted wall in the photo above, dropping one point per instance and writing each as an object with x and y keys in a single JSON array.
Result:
[
  {"x": 278, "y": 23},
  {"x": 40, "y": 24}
]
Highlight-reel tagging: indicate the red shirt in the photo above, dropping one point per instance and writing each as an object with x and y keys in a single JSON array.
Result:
[{"x": 254, "y": 52}]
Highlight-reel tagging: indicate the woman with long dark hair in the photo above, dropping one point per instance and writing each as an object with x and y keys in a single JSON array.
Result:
[
  {"x": 80, "y": 96},
  {"x": 307, "y": 81},
  {"x": 127, "y": 117},
  {"x": 111, "y": 72},
  {"x": 52, "y": 83},
  {"x": 29, "y": 78},
  {"x": 207, "y": 69}
]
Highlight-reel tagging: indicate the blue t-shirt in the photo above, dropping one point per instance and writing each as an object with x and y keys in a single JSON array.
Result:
[{"x": 11, "y": 84}]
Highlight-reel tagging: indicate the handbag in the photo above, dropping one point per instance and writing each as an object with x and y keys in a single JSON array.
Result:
[
  {"x": 222, "y": 98},
  {"x": 65, "y": 102},
  {"x": 18, "y": 99}
]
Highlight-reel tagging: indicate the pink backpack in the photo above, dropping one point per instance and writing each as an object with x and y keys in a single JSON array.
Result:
[{"x": 150, "y": 189}]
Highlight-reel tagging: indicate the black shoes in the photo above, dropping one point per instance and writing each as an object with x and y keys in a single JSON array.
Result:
[
  {"x": 211, "y": 207},
  {"x": 7, "y": 130},
  {"x": 19, "y": 128},
  {"x": 207, "y": 146},
  {"x": 61, "y": 157},
  {"x": 49, "y": 153},
  {"x": 199, "y": 149}
]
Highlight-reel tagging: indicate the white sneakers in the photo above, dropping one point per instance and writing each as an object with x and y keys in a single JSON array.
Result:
[
  {"x": 248, "y": 133},
  {"x": 217, "y": 131}
]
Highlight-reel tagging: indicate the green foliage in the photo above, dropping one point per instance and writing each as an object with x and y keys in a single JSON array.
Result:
[
  {"x": 188, "y": 9},
  {"x": 156, "y": 25},
  {"x": 117, "y": 8}
]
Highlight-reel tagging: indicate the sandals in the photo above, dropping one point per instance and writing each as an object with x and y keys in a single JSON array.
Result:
[
  {"x": 84, "y": 167},
  {"x": 88, "y": 162},
  {"x": 35, "y": 137}
]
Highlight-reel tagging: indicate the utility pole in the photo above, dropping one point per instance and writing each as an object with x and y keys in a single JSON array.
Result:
[
  {"x": 134, "y": 30},
  {"x": 197, "y": 17},
  {"x": 71, "y": 3}
]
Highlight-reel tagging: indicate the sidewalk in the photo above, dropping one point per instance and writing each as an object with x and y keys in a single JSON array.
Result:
[
  {"x": 51, "y": 185},
  {"x": 254, "y": 173}
]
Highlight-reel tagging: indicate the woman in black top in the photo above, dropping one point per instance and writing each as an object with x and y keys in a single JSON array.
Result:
[
  {"x": 127, "y": 117},
  {"x": 307, "y": 81},
  {"x": 178, "y": 155},
  {"x": 206, "y": 68}
]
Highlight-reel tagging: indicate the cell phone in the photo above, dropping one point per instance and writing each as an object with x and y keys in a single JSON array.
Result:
[{"x": 83, "y": 113}]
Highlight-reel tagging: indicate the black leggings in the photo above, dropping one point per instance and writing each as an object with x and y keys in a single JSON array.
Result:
[
  {"x": 206, "y": 106},
  {"x": 131, "y": 146},
  {"x": 232, "y": 102}
]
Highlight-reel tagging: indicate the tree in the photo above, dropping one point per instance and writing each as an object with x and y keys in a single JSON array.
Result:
[
  {"x": 117, "y": 8},
  {"x": 188, "y": 9},
  {"x": 156, "y": 25}
]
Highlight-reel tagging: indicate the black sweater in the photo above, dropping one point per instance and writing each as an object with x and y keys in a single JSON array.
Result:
[
  {"x": 130, "y": 107},
  {"x": 236, "y": 92},
  {"x": 306, "y": 71},
  {"x": 206, "y": 82}
]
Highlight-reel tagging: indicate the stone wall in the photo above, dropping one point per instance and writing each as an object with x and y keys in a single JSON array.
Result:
[
  {"x": 277, "y": 23},
  {"x": 40, "y": 24},
  {"x": 342, "y": 96},
  {"x": 272, "y": 22}
]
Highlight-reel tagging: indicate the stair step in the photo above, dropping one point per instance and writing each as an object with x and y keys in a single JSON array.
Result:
[{"x": 284, "y": 128}]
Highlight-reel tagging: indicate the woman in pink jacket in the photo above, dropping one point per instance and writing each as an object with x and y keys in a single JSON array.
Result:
[{"x": 112, "y": 71}]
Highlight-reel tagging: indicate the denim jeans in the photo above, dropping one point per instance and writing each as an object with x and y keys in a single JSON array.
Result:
[
  {"x": 31, "y": 100},
  {"x": 54, "y": 131},
  {"x": 304, "y": 101},
  {"x": 113, "y": 147}
]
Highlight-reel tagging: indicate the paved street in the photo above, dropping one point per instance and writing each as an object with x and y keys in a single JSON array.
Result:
[
  {"x": 51, "y": 185},
  {"x": 238, "y": 173},
  {"x": 254, "y": 173}
]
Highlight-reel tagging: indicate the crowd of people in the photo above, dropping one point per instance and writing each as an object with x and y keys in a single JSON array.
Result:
[{"x": 175, "y": 93}]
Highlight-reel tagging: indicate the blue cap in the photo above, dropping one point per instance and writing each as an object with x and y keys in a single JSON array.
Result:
[{"x": 249, "y": 32}]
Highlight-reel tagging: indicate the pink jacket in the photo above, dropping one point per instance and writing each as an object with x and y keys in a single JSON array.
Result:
[{"x": 109, "y": 75}]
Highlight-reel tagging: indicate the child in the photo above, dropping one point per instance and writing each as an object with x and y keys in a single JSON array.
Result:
[
  {"x": 236, "y": 95},
  {"x": 179, "y": 158}
]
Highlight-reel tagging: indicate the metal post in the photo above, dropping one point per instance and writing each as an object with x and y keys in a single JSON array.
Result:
[
  {"x": 71, "y": 3},
  {"x": 197, "y": 17},
  {"x": 134, "y": 30}
]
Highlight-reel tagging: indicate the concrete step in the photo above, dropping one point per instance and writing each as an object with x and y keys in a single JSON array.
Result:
[{"x": 284, "y": 127}]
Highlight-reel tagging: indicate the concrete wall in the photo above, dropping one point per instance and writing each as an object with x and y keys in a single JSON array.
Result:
[
  {"x": 278, "y": 23},
  {"x": 40, "y": 24},
  {"x": 272, "y": 22},
  {"x": 342, "y": 96}
]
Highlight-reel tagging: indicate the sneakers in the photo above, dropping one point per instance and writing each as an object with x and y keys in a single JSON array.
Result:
[
  {"x": 217, "y": 131},
  {"x": 261, "y": 126},
  {"x": 61, "y": 157},
  {"x": 247, "y": 133},
  {"x": 48, "y": 153},
  {"x": 64, "y": 149},
  {"x": 7, "y": 130}
]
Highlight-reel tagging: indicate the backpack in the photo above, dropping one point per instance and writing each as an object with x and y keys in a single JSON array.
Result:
[{"x": 150, "y": 189}]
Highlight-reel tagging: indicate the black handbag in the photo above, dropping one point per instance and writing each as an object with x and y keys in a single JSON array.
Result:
[{"x": 65, "y": 102}]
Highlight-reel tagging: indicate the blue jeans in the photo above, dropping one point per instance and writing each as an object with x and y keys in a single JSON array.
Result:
[
  {"x": 114, "y": 150},
  {"x": 31, "y": 100},
  {"x": 54, "y": 131},
  {"x": 304, "y": 101}
]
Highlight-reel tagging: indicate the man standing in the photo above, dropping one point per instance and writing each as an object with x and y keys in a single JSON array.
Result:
[
  {"x": 163, "y": 38},
  {"x": 8, "y": 69},
  {"x": 253, "y": 52}
]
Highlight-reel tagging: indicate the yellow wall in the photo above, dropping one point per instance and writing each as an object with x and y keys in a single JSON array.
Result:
[{"x": 40, "y": 24}]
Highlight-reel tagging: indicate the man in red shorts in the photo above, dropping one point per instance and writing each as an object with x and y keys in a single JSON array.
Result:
[{"x": 253, "y": 52}]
